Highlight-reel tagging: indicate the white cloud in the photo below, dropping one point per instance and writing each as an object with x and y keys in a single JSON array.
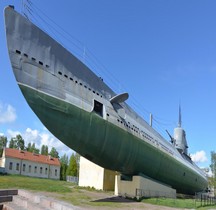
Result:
[
  {"x": 7, "y": 113},
  {"x": 30, "y": 134},
  {"x": 12, "y": 134},
  {"x": 199, "y": 157},
  {"x": 41, "y": 137},
  {"x": 209, "y": 173}
]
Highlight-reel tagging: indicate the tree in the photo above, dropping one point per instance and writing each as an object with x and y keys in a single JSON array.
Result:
[
  {"x": 213, "y": 169},
  {"x": 20, "y": 142},
  {"x": 32, "y": 148},
  {"x": 73, "y": 167},
  {"x": 44, "y": 150},
  {"x": 17, "y": 142},
  {"x": 3, "y": 143},
  {"x": 64, "y": 166},
  {"x": 77, "y": 156},
  {"x": 12, "y": 143},
  {"x": 36, "y": 151},
  {"x": 29, "y": 147},
  {"x": 54, "y": 153}
]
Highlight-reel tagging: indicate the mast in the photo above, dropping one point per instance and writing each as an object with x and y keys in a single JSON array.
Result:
[{"x": 179, "y": 122}]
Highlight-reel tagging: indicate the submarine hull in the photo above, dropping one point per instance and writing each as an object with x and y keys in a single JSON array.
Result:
[
  {"x": 107, "y": 145},
  {"x": 73, "y": 103}
]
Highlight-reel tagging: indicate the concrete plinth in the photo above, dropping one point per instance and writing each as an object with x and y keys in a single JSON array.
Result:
[
  {"x": 141, "y": 186},
  {"x": 92, "y": 175}
]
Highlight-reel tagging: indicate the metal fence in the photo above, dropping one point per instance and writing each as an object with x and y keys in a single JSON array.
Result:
[
  {"x": 200, "y": 199},
  {"x": 204, "y": 199},
  {"x": 73, "y": 179}
]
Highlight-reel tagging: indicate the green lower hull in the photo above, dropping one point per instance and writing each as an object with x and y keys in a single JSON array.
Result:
[{"x": 108, "y": 145}]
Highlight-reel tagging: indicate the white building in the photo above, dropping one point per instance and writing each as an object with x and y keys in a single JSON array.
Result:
[{"x": 30, "y": 164}]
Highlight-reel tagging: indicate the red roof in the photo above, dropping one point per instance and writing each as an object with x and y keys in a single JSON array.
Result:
[{"x": 24, "y": 155}]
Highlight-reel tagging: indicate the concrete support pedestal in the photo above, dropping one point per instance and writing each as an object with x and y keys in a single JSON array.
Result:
[{"x": 141, "y": 186}]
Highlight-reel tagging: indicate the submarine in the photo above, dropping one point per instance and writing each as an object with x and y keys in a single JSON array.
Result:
[{"x": 79, "y": 109}]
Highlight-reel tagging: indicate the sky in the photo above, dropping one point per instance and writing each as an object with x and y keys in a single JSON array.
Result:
[{"x": 163, "y": 53}]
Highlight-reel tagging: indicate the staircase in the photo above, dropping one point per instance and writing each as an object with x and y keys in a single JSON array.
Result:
[
  {"x": 24, "y": 200},
  {"x": 6, "y": 196}
]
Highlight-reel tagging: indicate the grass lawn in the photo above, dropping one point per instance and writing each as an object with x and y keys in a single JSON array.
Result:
[
  {"x": 178, "y": 203},
  {"x": 87, "y": 197},
  {"x": 37, "y": 184},
  {"x": 61, "y": 190}
]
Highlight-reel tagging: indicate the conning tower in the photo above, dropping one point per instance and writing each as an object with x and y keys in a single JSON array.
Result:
[{"x": 180, "y": 137}]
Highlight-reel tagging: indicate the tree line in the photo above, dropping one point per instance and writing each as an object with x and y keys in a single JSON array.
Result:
[
  {"x": 212, "y": 180},
  {"x": 69, "y": 167}
]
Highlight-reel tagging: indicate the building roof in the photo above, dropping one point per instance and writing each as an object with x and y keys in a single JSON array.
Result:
[{"x": 24, "y": 155}]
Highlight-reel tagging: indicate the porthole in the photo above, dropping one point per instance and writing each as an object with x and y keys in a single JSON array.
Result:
[
  {"x": 59, "y": 73},
  {"x": 66, "y": 76},
  {"x": 41, "y": 63},
  {"x": 25, "y": 55},
  {"x": 18, "y": 52},
  {"x": 34, "y": 59},
  {"x": 71, "y": 79}
]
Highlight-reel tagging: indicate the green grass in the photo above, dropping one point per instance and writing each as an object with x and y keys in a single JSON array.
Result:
[
  {"x": 178, "y": 203},
  {"x": 37, "y": 184},
  {"x": 86, "y": 197},
  {"x": 59, "y": 189}
]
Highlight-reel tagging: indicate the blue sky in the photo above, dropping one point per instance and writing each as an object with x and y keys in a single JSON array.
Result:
[{"x": 161, "y": 52}]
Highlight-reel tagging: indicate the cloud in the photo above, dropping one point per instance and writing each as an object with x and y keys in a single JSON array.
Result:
[
  {"x": 199, "y": 157},
  {"x": 12, "y": 134},
  {"x": 42, "y": 137},
  {"x": 7, "y": 113},
  {"x": 209, "y": 173}
]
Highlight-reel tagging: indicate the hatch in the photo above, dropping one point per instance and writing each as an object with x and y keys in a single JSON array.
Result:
[{"x": 98, "y": 108}]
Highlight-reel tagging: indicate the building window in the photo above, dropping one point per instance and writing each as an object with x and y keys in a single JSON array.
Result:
[
  {"x": 35, "y": 169},
  {"x": 10, "y": 166},
  {"x": 45, "y": 170},
  {"x": 41, "y": 169},
  {"x": 29, "y": 168},
  {"x": 17, "y": 166},
  {"x": 24, "y": 167},
  {"x": 55, "y": 172}
]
